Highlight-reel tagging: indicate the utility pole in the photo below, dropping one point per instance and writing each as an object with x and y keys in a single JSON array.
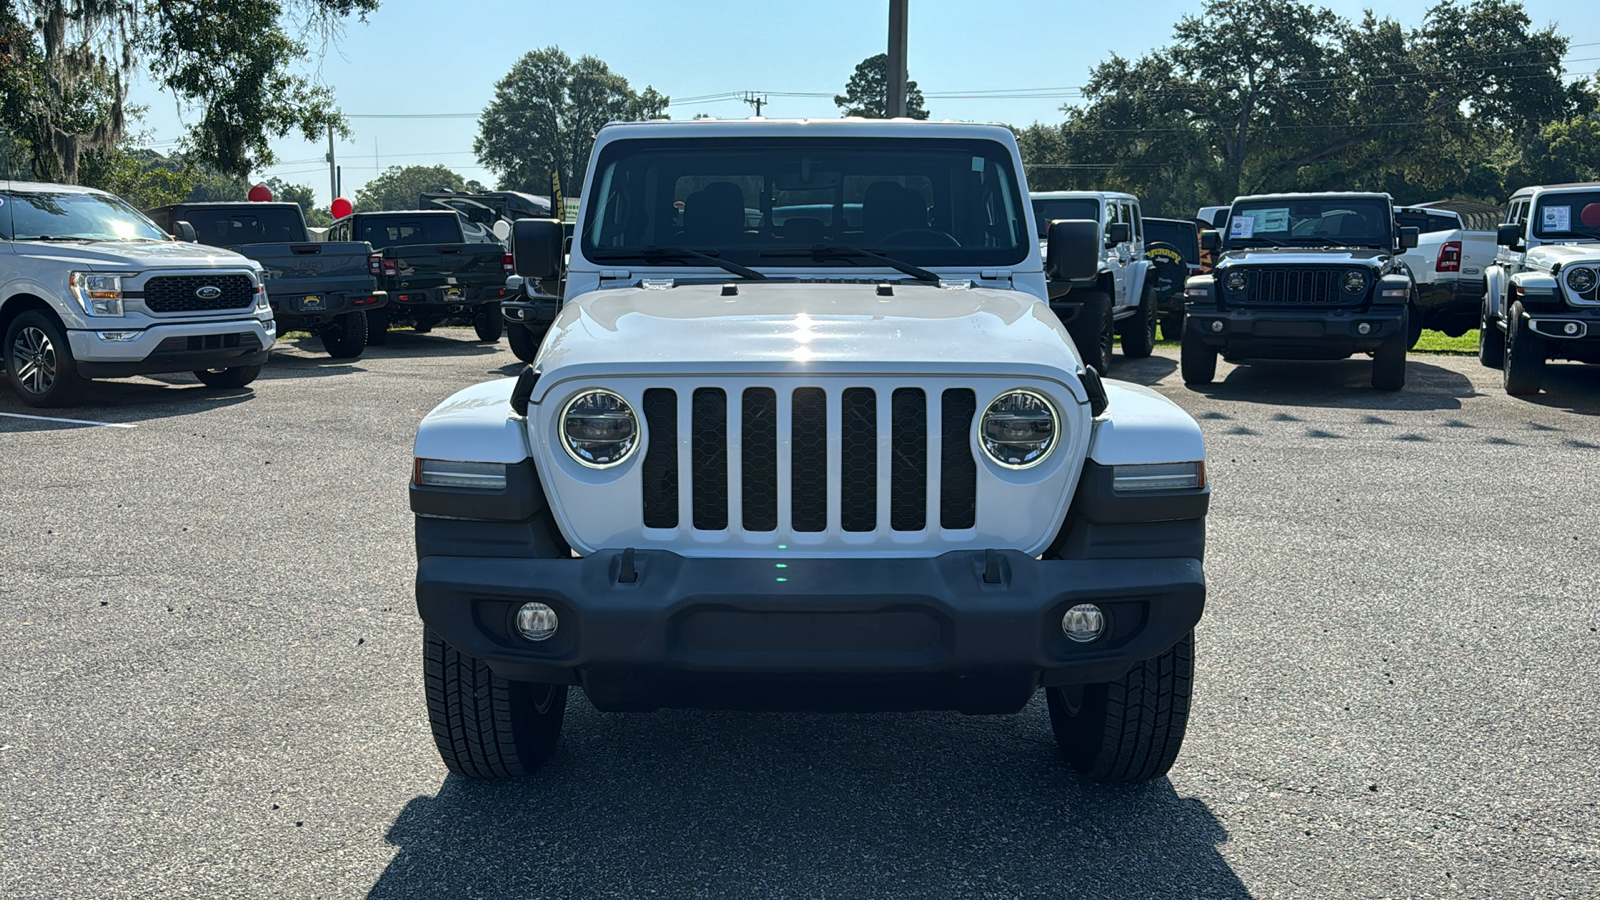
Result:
[
  {"x": 755, "y": 100},
  {"x": 895, "y": 105},
  {"x": 333, "y": 169}
]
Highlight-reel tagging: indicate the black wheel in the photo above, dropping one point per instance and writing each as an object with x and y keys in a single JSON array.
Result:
[
  {"x": 1523, "y": 373},
  {"x": 525, "y": 341},
  {"x": 235, "y": 377},
  {"x": 345, "y": 336},
  {"x": 1491, "y": 343},
  {"x": 377, "y": 327},
  {"x": 40, "y": 360},
  {"x": 484, "y": 725},
  {"x": 1389, "y": 360},
  {"x": 1172, "y": 326},
  {"x": 1139, "y": 330},
  {"x": 489, "y": 323},
  {"x": 1093, "y": 331},
  {"x": 1129, "y": 730},
  {"x": 1198, "y": 360},
  {"x": 1414, "y": 326}
]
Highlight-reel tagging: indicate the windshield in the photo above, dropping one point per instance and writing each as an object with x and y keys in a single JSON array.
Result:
[
  {"x": 231, "y": 227},
  {"x": 764, "y": 201},
  {"x": 1049, "y": 209},
  {"x": 1569, "y": 216},
  {"x": 401, "y": 231},
  {"x": 1325, "y": 221},
  {"x": 38, "y": 215}
]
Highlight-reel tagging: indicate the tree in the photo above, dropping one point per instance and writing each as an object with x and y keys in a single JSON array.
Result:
[
  {"x": 866, "y": 94},
  {"x": 545, "y": 114},
  {"x": 398, "y": 187}
]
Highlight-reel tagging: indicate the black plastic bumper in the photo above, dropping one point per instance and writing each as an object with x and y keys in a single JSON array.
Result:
[
  {"x": 290, "y": 308},
  {"x": 829, "y": 634},
  {"x": 1279, "y": 333},
  {"x": 531, "y": 310}
]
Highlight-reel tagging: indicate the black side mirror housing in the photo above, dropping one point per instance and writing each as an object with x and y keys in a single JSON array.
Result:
[
  {"x": 1118, "y": 233},
  {"x": 536, "y": 248},
  {"x": 185, "y": 232},
  {"x": 1210, "y": 241},
  {"x": 1072, "y": 249},
  {"x": 1508, "y": 235},
  {"x": 1408, "y": 237}
]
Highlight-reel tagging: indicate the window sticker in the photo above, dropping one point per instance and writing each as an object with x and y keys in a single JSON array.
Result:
[
  {"x": 1242, "y": 227},
  {"x": 1274, "y": 220},
  {"x": 1557, "y": 218}
]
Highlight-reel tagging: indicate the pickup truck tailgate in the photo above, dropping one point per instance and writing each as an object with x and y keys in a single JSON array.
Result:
[
  {"x": 313, "y": 267},
  {"x": 438, "y": 265}
]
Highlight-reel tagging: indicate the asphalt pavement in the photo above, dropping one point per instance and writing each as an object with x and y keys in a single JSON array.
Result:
[{"x": 210, "y": 662}]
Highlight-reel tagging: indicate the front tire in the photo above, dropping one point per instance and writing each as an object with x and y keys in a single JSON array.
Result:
[
  {"x": 524, "y": 341},
  {"x": 234, "y": 377},
  {"x": 1172, "y": 326},
  {"x": 1093, "y": 332},
  {"x": 484, "y": 725},
  {"x": 1197, "y": 359},
  {"x": 489, "y": 323},
  {"x": 1139, "y": 333},
  {"x": 1525, "y": 356},
  {"x": 40, "y": 361},
  {"x": 1129, "y": 730},
  {"x": 345, "y": 335},
  {"x": 1491, "y": 343},
  {"x": 1389, "y": 360}
]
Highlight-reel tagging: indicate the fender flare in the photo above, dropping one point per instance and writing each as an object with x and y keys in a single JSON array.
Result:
[
  {"x": 1141, "y": 268},
  {"x": 1142, "y": 426},
  {"x": 1495, "y": 282},
  {"x": 475, "y": 425}
]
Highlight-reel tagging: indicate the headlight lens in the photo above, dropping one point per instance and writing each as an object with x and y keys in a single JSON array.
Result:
[
  {"x": 1355, "y": 281},
  {"x": 452, "y": 474},
  {"x": 1234, "y": 281},
  {"x": 1581, "y": 279},
  {"x": 99, "y": 295},
  {"x": 1019, "y": 429},
  {"x": 599, "y": 429}
]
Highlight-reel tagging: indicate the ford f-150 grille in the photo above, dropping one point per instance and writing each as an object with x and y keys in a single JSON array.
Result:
[
  {"x": 198, "y": 293},
  {"x": 800, "y": 421},
  {"x": 1282, "y": 286}
]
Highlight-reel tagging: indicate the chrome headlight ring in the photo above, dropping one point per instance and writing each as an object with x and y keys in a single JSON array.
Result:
[
  {"x": 1581, "y": 279},
  {"x": 599, "y": 428},
  {"x": 1019, "y": 429}
]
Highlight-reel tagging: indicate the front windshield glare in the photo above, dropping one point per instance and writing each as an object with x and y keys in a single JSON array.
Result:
[
  {"x": 1331, "y": 222},
  {"x": 1568, "y": 216},
  {"x": 51, "y": 215},
  {"x": 767, "y": 202}
]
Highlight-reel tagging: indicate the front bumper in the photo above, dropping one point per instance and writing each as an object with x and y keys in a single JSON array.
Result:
[
  {"x": 531, "y": 310},
  {"x": 1278, "y": 333},
  {"x": 173, "y": 348},
  {"x": 822, "y": 634}
]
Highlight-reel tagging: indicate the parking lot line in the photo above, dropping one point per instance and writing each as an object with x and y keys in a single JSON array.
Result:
[{"x": 68, "y": 421}]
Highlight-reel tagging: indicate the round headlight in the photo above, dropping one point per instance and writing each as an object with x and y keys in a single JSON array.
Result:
[
  {"x": 1019, "y": 429},
  {"x": 599, "y": 429},
  {"x": 1581, "y": 279},
  {"x": 1355, "y": 281},
  {"x": 1234, "y": 281}
]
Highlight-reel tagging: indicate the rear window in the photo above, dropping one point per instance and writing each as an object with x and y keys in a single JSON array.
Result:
[
  {"x": 398, "y": 231},
  {"x": 1426, "y": 222},
  {"x": 233, "y": 227},
  {"x": 1183, "y": 236},
  {"x": 1048, "y": 209}
]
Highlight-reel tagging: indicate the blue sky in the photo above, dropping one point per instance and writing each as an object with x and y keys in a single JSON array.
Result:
[{"x": 426, "y": 57}]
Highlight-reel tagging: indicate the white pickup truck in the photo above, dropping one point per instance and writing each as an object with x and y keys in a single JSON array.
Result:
[
  {"x": 1448, "y": 266},
  {"x": 91, "y": 288}
]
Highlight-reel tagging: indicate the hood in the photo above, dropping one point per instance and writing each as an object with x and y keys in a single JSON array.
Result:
[
  {"x": 1304, "y": 256},
  {"x": 115, "y": 255},
  {"x": 806, "y": 327},
  {"x": 1563, "y": 254}
]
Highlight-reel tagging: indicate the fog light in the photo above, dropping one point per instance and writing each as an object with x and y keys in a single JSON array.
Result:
[
  {"x": 1572, "y": 328},
  {"x": 1216, "y": 325},
  {"x": 119, "y": 337},
  {"x": 1082, "y": 623},
  {"x": 537, "y": 622},
  {"x": 1364, "y": 328}
]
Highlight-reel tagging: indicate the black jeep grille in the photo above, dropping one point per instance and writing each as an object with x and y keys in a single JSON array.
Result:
[
  {"x": 1279, "y": 286},
  {"x": 177, "y": 293}
]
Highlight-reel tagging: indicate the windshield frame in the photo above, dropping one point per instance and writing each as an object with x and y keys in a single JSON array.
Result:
[
  {"x": 10, "y": 195},
  {"x": 1007, "y": 192},
  {"x": 1287, "y": 238}
]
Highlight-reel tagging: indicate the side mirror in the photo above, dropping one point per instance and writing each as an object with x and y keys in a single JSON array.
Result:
[
  {"x": 536, "y": 248},
  {"x": 1072, "y": 249},
  {"x": 1408, "y": 237},
  {"x": 1210, "y": 241},
  {"x": 1118, "y": 233},
  {"x": 1219, "y": 219},
  {"x": 1508, "y": 235},
  {"x": 186, "y": 232}
]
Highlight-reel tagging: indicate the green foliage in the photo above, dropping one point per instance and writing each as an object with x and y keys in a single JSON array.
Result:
[
  {"x": 545, "y": 114},
  {"x": 398, "y": 187},
  {"x": 866, "y": 94},
  {"x": 147, "y": 179}
]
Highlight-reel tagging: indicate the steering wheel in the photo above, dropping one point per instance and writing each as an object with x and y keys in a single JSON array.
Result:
[{"x": 941, "y": 238}]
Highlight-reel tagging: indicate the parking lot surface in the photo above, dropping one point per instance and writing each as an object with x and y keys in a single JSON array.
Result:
[{"x": 212, "y": 679}]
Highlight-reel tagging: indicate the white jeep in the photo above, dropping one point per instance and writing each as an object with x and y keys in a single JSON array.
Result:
[
  {"x": 1117, "y": 297},
  {"x": 1543, "y": 291},
  {"x": 846, "y": 462}
]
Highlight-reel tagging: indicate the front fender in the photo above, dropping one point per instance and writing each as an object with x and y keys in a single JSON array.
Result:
[
  {"x": 1136, "y": 279},
  {"x": 1535, "y": 284},
  {"x": 1141, "y": 426},
  {"x": 475, "y": 425},
  {"x": 1496, "y": 280}
]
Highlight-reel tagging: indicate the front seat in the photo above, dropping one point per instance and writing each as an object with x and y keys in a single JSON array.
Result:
[{"x": 714, "y": 215}]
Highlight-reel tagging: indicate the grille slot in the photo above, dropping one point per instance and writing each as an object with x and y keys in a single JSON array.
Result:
[
  {"x": 708, "y": 451},
  {"x": 958, "y": 470},
  {"x": 759, "y": 463},
  {"x": 660, "y": 471},
  {"x": 1275, "y": 286},
  {"x": 908, "y": 460},
  {"x": 858, "y": 464},
  {"x": 176, "y": 293},
  {"x": 808, "y": 468}
]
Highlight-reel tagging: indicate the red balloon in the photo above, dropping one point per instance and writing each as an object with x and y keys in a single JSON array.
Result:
[
  {"x": 260, "y": 194},
  {"x": 342, "y": 208}
]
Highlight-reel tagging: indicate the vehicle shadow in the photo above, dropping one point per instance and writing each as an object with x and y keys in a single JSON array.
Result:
[
  {"x": 1345, "y": 383},
  {"x": 688, "y": 803},
  {"x": 442, "y": 342},
  {"x": 1148, "y": 371},
  {"x": 1571, "y": 388},
  {"x": 121, "y": 402}
]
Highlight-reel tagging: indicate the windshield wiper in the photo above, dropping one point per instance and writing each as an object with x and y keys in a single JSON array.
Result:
[
  {"x": 650, "y": 254},
  {"x": 1264, "y": 240},
  {"x": 47, "y": 237},
  {"x": 821, "y": 252}
]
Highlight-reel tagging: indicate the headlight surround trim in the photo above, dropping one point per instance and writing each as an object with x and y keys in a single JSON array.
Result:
[
  {"x": 1234, "y": 281},
  {"x": 618, "y": 404},
  {"x": 1582, "y": 274},
  {"x": 1049, "y": 443}
]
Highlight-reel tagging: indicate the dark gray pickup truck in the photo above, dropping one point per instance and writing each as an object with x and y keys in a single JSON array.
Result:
[{"x": 325, "y": 288}]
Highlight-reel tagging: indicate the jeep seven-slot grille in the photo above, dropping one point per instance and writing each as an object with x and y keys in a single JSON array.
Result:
[
  {"x": 182, "y": 293},
  {"x": 1275, "y": 286},
  {"x": 860, "y": 433}
]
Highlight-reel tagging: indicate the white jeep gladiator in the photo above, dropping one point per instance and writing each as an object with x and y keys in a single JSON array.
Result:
[
  {"x": 1543, "y": 291},
  {"x": 846, "y": 462},
  {"x": 1116, "y": 299},
  {"x": 91, "y": 288}
]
